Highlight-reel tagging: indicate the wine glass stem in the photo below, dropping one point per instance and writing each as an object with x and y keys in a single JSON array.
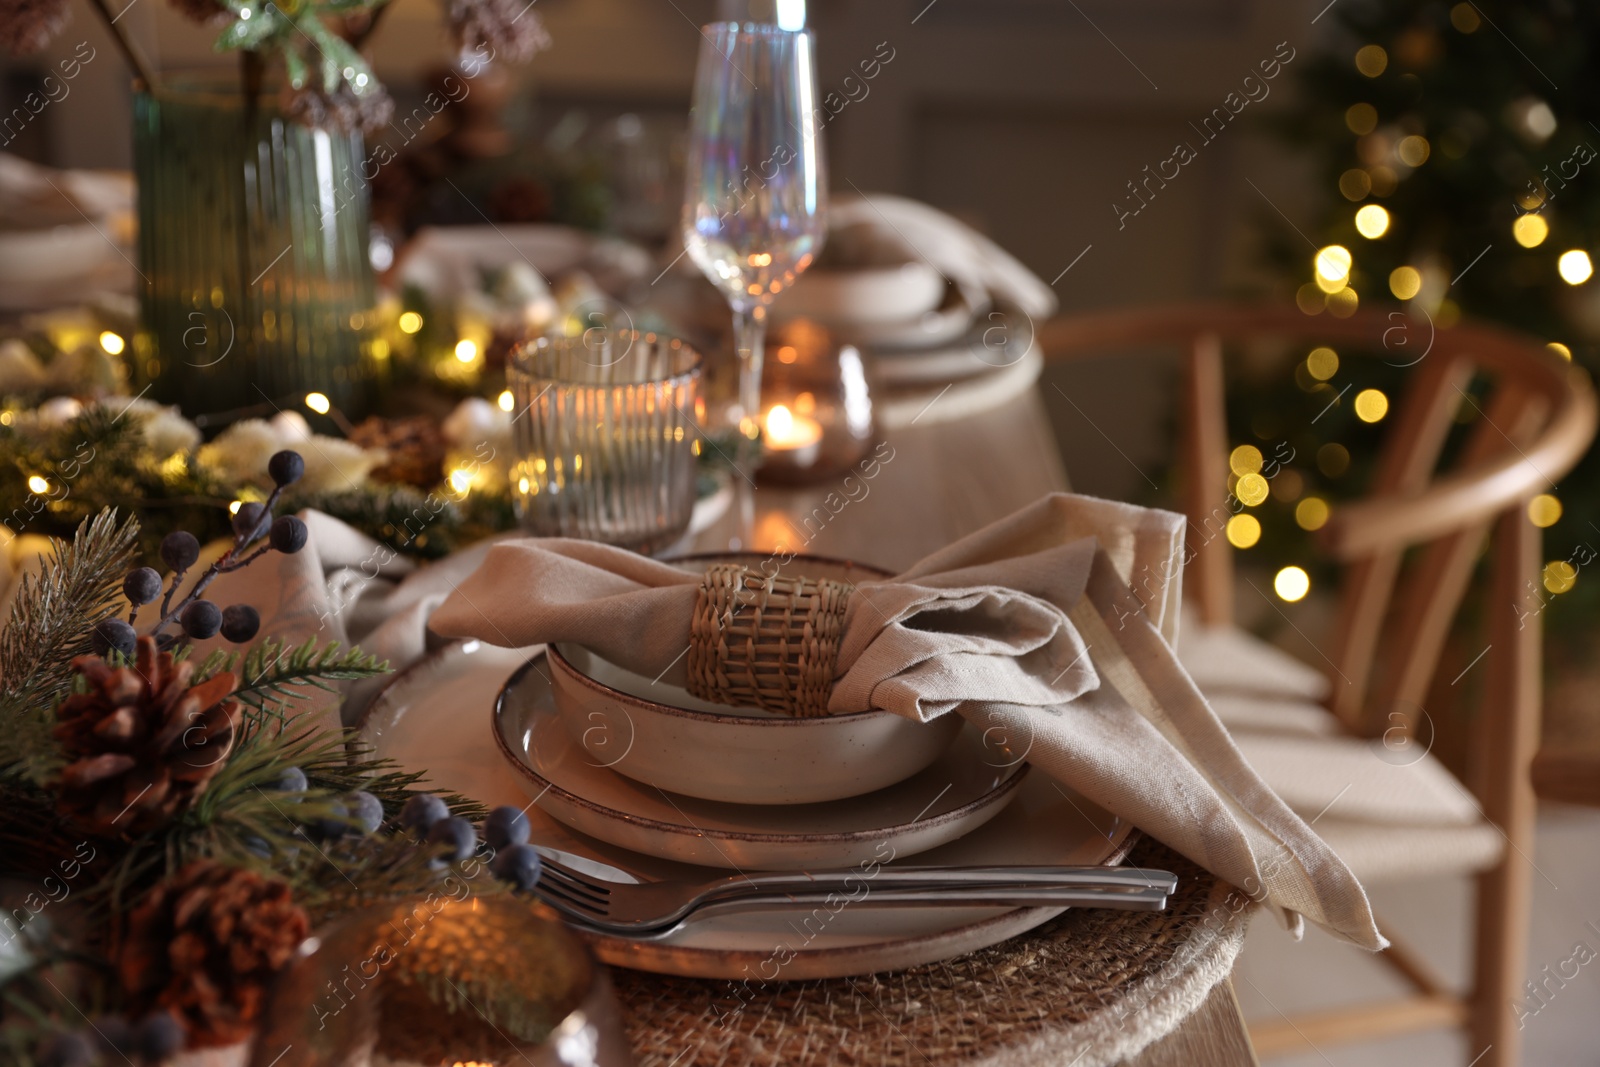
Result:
[{"x": 749, "y": 338}]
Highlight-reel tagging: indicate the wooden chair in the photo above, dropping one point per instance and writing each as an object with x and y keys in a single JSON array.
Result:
[{"x": 1408, "y": 552}]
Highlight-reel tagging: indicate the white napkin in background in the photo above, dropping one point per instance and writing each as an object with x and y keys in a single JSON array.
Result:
[
  {"x": 950, "y": 246},
  {"x": 1123, "y": 724}
]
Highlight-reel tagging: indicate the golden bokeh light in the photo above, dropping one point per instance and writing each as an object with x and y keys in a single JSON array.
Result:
[
  {"x": 1333, "y": 263},
  {"x": 1561, "y": 350},
  {"x": 466, "y": 350},
  {"x": 1343, "y": 304},
  {"x": 1355, "y": 184},
  {"x": 1291, "y": 584},
  {"x": 1251, "y": 490},
  {"x": 1371, "y": 405},
  {"x": 1361, "y": 119},
  {"x": 1560, "y": 576},
  {"x": 1372, "y": 222},
  {"x": 112, "y": 343},
  {"x": 1372, "y": 60},
  {"x": 1575, "y": 266},
  {"x": 1544, "y": 511},
  {"x": 1311, "y": 513},
  {"x": 1322, "y": 363},
  {"x": 1246, "y": 459},
  {"x": 1333, "y": 459},
  {"x": 319, "y": 403},
  {"x": 37, "y": 484},
  {"x": 1243, "y": 531},
  {"x": 1464, "y": 17},
  {"x": 1310, "y": 299},
  {"x": 1405, "y": 282},
  {"x": 506, "y": 401},
  {"x": 410, "y": 322},
  {"x": 1530, "y": 230},
  {"x": 1413, "y": 151}
]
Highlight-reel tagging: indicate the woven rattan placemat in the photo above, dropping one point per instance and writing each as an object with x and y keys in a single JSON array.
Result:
[{"x": 1088, "y": 988}]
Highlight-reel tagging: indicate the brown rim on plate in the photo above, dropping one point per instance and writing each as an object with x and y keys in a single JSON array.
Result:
[{"x": 520, "y": 765}]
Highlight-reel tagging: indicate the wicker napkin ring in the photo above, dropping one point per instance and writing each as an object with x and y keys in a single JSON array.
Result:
[{"x": 763, "y": 642}]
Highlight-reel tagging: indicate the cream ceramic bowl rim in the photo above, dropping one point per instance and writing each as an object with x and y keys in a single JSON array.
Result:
[
  {"x": 792, "y": 721},
  {"x": 522, "y": 767}
]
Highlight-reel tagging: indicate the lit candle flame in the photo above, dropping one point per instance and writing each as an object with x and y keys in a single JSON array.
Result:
[{"x": 780, "y": 423}]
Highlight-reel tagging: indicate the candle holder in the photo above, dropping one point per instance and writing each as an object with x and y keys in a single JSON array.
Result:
[
  {"x": 816, "y": 411},
  {"x": 441, "y": 981}
]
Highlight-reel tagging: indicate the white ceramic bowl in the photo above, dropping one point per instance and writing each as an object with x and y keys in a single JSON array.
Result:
[
  {"x": 660, "y": 735},
  {"x": 899, "y": 293}
]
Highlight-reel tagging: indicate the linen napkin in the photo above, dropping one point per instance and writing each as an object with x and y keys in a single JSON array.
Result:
[{"x": 1055, "y": 624}]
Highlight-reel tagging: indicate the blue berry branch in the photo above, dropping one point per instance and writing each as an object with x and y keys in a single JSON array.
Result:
[{"x": 180, "y": 550}]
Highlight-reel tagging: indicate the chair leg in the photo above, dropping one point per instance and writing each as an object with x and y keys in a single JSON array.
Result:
[{"x": 1511, "y": 738}]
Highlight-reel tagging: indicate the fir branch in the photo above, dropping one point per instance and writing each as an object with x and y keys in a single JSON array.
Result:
[
  {"x": 54, "y": 612},
  {"x": 274, "y": 674}
]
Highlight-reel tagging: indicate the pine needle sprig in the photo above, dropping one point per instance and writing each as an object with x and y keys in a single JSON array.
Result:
[
  {"x": 274, "y": 674},
  {"x": 54, "y": 612}
]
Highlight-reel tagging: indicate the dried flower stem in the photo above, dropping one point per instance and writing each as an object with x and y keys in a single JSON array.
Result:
[{"x": 142, "y": 70}]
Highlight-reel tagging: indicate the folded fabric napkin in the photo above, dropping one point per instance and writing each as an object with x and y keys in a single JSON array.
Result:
[
  {"x": 1055, "y": 624},
  {"x": 922, "y": 232}
]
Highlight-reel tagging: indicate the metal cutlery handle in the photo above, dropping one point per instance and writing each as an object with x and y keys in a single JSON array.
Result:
[
  {"x": 1124, "y": 879},
  {"x": 1136, "y": 900},
  {"x": 1009, "y": 896}
]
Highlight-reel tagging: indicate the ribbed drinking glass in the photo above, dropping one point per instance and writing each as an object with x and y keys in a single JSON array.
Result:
[{"x": 605, "y": 428}]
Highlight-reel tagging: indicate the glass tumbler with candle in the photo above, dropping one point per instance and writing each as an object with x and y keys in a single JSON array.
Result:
[
  {"x": 816, "y": 411},
  {"x": 457, "y": 978},
  {"x": 605, "y": 432}
]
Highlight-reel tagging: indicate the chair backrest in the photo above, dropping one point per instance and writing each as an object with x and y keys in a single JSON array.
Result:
[{"x": 1410, "y": 545}]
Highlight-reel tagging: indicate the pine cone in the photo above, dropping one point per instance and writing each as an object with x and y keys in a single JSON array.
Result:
[
  {"x": 205, "y": 943},
  {"x": 415, "y": 447},
  {"x": 142, "y": 742}
]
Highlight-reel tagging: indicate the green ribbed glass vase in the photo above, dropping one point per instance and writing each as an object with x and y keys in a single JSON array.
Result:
[{"x": 253, "y": 234}]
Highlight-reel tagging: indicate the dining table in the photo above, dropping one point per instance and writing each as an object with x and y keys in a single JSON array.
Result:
[{"x": 933, "y": 481}]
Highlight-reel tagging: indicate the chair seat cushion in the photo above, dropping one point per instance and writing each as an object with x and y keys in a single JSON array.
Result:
[
  {"x": 1257, "y": 714},
  {"x": 1389, "y": 813},
  {"x": 1396, "y": 853},
  {"x": 1227, "y": 659}
]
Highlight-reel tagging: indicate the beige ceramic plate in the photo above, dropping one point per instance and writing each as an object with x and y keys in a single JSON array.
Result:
[
  {"x": 431, "y": 719},
  {"x": 962, "y": 789}
]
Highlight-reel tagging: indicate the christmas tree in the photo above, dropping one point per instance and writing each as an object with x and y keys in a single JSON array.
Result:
[{"x": 1460, "y": 155}]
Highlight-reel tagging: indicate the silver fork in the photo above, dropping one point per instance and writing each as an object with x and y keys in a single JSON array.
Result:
[{"x": 635, "y": 908}]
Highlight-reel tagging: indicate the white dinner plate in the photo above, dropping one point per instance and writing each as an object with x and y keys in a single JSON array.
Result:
[
  {"x": 944, "y": 325},
  {"x": 435, "y": 718},
  {"x": 999, "y": 338},
  {"x": 963, "y": 788}
]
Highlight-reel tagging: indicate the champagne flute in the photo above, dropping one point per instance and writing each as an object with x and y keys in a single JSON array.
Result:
[{"x": 755, "y": 190}]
